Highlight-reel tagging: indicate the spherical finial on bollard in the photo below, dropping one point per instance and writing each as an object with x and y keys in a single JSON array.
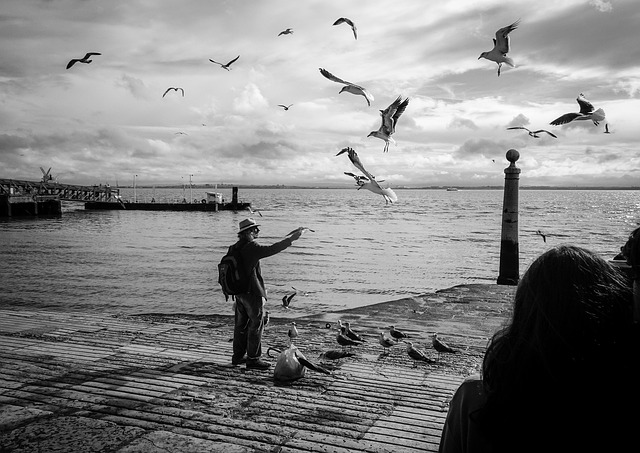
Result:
[{"x": 513, "y": 156}]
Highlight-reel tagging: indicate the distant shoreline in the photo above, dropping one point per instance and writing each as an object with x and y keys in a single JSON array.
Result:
[{"x": 283, "y": 186}]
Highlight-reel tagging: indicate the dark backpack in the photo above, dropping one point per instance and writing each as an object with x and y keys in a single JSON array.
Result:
[{"x": 232, "y": 275}]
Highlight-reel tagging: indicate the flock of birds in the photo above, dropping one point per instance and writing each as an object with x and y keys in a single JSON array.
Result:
[
  {"x": 347, "y": 338},
  {"x": 391, "y": 114}
]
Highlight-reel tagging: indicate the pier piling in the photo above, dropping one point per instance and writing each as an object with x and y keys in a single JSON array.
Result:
[{"x": 509, "y": 251}]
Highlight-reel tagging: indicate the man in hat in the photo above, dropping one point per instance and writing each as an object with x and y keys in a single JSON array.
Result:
[{"x": 247, "y": 333}]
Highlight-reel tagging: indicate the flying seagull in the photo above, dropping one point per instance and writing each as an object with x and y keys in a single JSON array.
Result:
[
  {"x": 85, "y": 59},
  {"x": 286, "y": 300},
  {"x": 288, "y": 31},
  {"x": 348, "y": 86},
  {"x": 172, "y": 88},
  {"x": 586, "y": 113},
  {"x": 368, "y": 181},
  {"x": 225, "y": 66},
  {"x": 286, "y": 107},
  {"x": 533, "y": 134},
  {"x": 606, "y": 128},
  {"x": 441, "y": 346},
  {"x": 344, "y": 20},
  {"x": 501, "y": 47},
  {"x": 390, "y": 117},
  {"x": 301, "y": 230},
  {"x": 544, "y": 236},
  {"x": 416, "y": 354},
  {"x": 253, "y": 211}
]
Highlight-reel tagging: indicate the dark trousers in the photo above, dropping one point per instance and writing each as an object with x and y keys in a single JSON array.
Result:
[{"x": 249, "y": 324}]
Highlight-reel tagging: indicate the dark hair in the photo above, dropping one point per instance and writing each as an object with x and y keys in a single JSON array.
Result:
[
  {"x": 570, "y": 329},
  {"x": 631, "y": 251}
]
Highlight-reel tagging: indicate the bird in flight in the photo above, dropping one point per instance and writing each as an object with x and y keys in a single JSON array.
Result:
[
  {"x": 225, "y": 66},
  {"x": 606, "y": 128},
  {"x": 533, "y": 134},
  {"x": 175, "y": 89},
  {"x": 85, "y": 59},
  {"x": 390, "y": 117},
  {"x": 286, "y": 300},
  {"x": 253, "y": 211},
  {"x": 285, "y": 107},
  {"x": 288, "y": 31},
  {"x": 348, "y": 86},
  {"x": 368, "y": 181},
  {"x": 344, "y": 20},
  {"x": 587, "y": 112},
  {"x": 501, "y": 47},
  {"x": 540, "y": 233}
]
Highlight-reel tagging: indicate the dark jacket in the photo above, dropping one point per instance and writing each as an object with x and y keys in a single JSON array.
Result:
[{"x": 251, "y": 253}]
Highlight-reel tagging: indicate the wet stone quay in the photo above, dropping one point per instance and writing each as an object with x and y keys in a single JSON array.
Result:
[{"x": 79, "y": 382}]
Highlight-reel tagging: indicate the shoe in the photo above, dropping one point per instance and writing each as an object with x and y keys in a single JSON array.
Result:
[
  {"x": 239, "y": 361},
  {"x": 257, "y": 364}
]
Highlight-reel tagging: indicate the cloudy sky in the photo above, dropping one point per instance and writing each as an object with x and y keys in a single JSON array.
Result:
[{"x": 107, "y": 121}]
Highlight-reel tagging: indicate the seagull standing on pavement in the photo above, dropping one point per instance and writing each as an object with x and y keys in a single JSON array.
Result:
[
  {"x": 390, "y": 117},
  {"x": 587, "y": 112},
  {"x": 335, "y": 354},
  {"x": 350, "y": 333},
  {"x": 368, "y": 181},
  {"x": 344, "y": 341},
  {"x": 386, "y": 343},
  {"x": 344, "y": 20},
  {"x": 348, "y": 86},
  {"x": 441, "y": 346},
  {"x": 501, "y": 47},
  {"x": 225, "y": 66},
  {"x": 292, "y": 333},
  {"x": 416, "y": 354},
  {"x": 85, "y": 59},
  {"x": 533, "y": 134},
  {"x": 397, "y": 334}
]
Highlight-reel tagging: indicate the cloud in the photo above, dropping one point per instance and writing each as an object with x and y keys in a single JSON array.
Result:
[
  {"x": 520, "y": 120},
  {"x": 602, "y": 5},
  {"x": 458, "y": 123},
  {"x": 250, "y": 100},
  {"x": 134, "y": 85}
]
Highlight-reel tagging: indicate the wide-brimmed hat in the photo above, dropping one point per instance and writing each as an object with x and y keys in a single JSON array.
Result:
[{"x": 246, "y": 224}]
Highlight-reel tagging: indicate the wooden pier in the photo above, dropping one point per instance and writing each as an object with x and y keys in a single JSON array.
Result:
[{"x": 79, "y": 382}]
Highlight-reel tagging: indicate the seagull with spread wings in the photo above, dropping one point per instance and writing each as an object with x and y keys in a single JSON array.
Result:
[
  {"x": 501, "y": 47},
  {"x": 368, "y": 181},
  {"x": 225, "y": 66},
  {"x": 85, "y": 59},
  {"x": 288, "y": 31},
  {"x": 348, "y": 86},
  {"x": 285, "y": 107},
  {"x": 175, "y": 89},
  {"x": 390, "y": 117},
  {"x": 533, "y": 134},
  {"x": 344, "y": 20},
  {"x": 587, "y": 112}
]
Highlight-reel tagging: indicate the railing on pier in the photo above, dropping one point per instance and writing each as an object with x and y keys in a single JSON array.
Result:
[{"x": 64, "y": 192}]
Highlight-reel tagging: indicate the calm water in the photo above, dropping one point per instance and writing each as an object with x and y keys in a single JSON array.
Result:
[{"x": 361, "y": 252}]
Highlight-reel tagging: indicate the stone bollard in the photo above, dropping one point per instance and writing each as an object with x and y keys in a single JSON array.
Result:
[{"x": 509, "y": 253}]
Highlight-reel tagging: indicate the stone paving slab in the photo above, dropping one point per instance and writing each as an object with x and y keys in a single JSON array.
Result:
[{"x": 79, "y": 382}]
